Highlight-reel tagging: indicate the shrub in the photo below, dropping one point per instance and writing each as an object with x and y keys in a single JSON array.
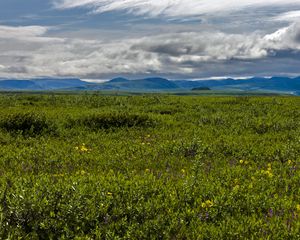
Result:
[
  {"x": 27, "y": 123},
  {"x": 110, "y": 120}
]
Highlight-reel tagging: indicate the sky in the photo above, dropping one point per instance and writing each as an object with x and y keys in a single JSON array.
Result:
[{"x": 176, "y": 39}]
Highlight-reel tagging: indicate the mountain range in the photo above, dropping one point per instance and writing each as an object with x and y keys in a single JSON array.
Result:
[{"x": 274, "y": 84}]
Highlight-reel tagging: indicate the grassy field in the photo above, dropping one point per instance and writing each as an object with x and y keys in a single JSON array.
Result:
[{"x": 149, "y": 167}]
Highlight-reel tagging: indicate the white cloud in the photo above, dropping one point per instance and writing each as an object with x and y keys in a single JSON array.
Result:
[
  {"x": 27, "y": 31},
  {"x": 285, "y": 38},
  {"x": 291, "y": 16},
  {"x": 172, "y": 8},
  {"x": 182, "y": 53}
]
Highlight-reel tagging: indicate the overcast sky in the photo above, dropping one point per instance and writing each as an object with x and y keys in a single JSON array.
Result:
[{"x": 177, "y": 39}]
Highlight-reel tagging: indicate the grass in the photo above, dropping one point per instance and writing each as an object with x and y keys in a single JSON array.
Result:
[{"x": 149, "y": 167}]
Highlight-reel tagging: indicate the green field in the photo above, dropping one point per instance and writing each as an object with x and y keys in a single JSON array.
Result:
[{"x": 149, "y": 167}]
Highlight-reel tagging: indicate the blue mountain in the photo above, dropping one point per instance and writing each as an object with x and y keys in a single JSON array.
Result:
[
  {"x": 280, "y": 84},
  {"x": 274, "y": 84},
  {"x": 41, "y": 84}
]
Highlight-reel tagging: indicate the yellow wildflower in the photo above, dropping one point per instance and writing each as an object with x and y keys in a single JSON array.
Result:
[
  {"x": 298, "y": 207},
  {"x": 207, "y": 204},
  {"x": 109, "y": 194},
  {"x": 83, "y": 148},
  {"x": 241, "y": 161}
]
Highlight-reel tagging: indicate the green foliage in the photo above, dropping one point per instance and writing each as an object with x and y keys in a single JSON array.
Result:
[
  {"x": 149, "y": 167},
  {"x": 110, "y": 120},
  {"x": 27, "y": 123}
]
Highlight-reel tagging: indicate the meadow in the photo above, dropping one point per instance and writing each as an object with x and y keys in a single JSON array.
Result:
[{"x": 149, "y": 167}]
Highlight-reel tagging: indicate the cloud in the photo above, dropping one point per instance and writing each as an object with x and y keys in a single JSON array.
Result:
[
  {"x": 22, "y": 32},
  {"x": 291, "y": 16},
  {"x": 172, "y": 8},
  {"x": 285, "y": 38},
  {"x": 32, "y": 53}
]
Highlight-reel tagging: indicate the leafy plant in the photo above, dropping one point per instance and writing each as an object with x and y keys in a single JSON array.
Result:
[{"x": 27, "y": 123}]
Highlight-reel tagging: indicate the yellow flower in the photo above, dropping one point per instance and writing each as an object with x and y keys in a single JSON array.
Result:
[
  {"x": 241, "y": 161},
  {"x": 298, "y": 207},
  {"x": 83, "y": 148},
  {"x": 109, "y": 194},
  {"x": 207, "y": 204}
]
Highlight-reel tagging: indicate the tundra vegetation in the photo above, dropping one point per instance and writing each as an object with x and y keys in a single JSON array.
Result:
[{"x": 149, "y": 167}]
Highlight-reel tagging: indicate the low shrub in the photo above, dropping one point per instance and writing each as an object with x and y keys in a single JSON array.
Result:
[
  {"x": 27, "y": 123},
  {"x": 111, "y": 120}
]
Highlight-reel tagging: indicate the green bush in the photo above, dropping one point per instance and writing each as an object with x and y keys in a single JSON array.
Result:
[
  {"x": 27, "y": 123},
  {"x": 110, "y": 120}
]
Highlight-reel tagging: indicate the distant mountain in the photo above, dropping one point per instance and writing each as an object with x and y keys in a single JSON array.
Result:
[
  {"x": 147, "y": 84},
  {"x": 280, "y": 84},
  {"x": 119, "y": 80},
  {"x": 18, "y": 85},
  {"x": 274, "y": 84},
  {"x": 41, "y": 84}
]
